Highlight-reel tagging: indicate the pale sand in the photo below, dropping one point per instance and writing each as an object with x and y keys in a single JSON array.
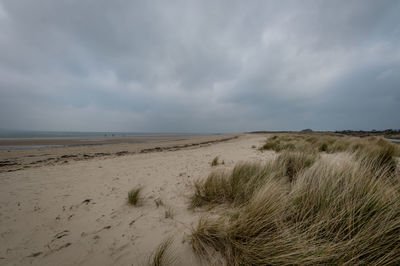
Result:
[
  {"x": 13, "y": 160},
  {"x": 77, "y": 212}
]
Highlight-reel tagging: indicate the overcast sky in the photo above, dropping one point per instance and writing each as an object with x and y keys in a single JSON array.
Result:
[{"x": 199, "y": 66}]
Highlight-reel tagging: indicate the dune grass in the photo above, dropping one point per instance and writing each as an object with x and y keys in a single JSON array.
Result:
[
  {"x": 162, "y": 255},
  {"x": 382, "y": 154},
  {"x": 215, "y": 161},
  {"x": 169, "y": 213},
  {"x": 299, "y": 209},
  {"x": 393, "y": 136},
  {"x": 328, "y": 144},
  {"x": 158, "y": 202},
  {"x": 238, "y": 186},
  {"x": 134, "y": 196}
]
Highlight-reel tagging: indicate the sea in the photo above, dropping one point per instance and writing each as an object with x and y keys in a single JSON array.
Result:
[
  {"x": 93, "y": 137},
  {"x": 19, "y": 134}
]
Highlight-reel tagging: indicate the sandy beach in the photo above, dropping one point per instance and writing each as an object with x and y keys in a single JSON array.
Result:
[
  {"x": 173, "y": 134},
  {"x": 88, "y": 148},
  {"x": 71, "y": 207}
]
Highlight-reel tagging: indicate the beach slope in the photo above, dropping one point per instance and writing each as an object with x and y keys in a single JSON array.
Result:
[{"x": 77, "y": 212}]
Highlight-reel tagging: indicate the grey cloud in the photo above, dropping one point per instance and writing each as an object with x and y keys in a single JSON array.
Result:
[{"x": 199, "y": 66}]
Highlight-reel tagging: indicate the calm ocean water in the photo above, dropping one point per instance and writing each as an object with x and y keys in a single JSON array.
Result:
[
  {"x": 8, "y": 134},
  {"x": 87, "y": 136}
]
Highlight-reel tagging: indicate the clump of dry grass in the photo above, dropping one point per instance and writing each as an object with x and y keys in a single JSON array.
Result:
[
  {"x": 215, "y": 161},
  {"x": 158, "y": 202},
  {"x": 393, "y": 136},
  {"x": 279, "y": 143},
  {"x": 163, "y": 255},
  {"x": 245, "y": 179},
  {"x": 134, "y": 196},
  {"x": 292, "y": 163},
  {"x": 215, "y": 189},
  {"x": 382, "y": 154},
  {"x": 328, "y": 213},
  {"x": 169, "y": 213}
]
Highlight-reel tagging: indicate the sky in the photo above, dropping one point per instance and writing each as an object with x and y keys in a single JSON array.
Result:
[{"x": 199, "y": 66}]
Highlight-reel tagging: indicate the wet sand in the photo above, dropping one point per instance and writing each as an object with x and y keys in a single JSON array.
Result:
[
  {"x": 87, "y": 141},
  {"x": 84, "y": 149}
]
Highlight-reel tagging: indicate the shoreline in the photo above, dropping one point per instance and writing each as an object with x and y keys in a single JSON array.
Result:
[
  {"x": 19, "y": 159},
  {"x": 95, "y": 140}
]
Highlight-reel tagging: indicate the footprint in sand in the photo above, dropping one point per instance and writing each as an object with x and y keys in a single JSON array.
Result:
[
  {"x": 60, "y": 235},
  {"x": 84, "y": 234}
]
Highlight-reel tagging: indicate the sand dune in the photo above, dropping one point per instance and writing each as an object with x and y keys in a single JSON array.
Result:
[{"x": 77, "y": 212}]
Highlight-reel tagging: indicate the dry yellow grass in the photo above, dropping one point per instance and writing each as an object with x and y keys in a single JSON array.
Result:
[
  {"x": 238, "y": 186},
  {"x": 163, "y": 255},
  {"x": 325, "y": 143},
  {"x": 134, "y": 196},
  {"x": 296, "y": 210}
]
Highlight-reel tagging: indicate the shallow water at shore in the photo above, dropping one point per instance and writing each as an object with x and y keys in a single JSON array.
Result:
[
  {"x": 23, "y": 147},
  {"x": 27, "y": 134},
  {"x": 59, "y": 142}
]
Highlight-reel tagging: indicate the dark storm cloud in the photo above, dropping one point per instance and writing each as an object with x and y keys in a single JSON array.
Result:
[{"x": 199, "y": 65}]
